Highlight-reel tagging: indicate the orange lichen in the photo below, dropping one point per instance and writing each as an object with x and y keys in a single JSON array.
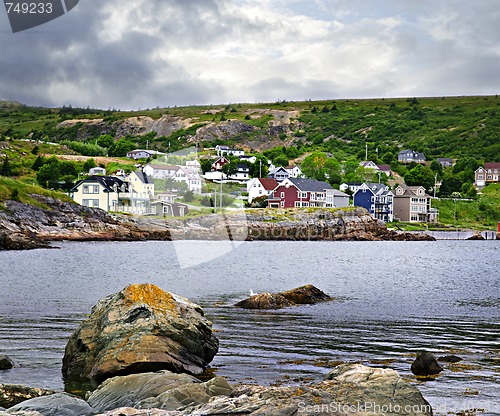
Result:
[{"x": 152, "y": 296}]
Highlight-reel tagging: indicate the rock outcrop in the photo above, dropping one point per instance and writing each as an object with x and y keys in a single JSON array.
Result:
[
  {"x": 161, "y": 390},
  {"x": 425, "y": 365},
  {"x": 58, "y": 404},
  {"x": 304, "y": 295},
  {"x": 350, "y": 389},
  {"x": 140, "y": 329},
  {"x": 25, "y": 226},
  {"x": 12, "y": 394}
]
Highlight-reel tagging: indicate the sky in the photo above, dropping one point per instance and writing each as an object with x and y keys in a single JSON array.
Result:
[{"x": 138, "y": 54}]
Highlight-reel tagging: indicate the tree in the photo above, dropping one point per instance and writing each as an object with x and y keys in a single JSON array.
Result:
[
  {"x": 188, "y": 196},
  {"x": 206, "y": 165},
  {"x": 436, "y": 167},
  {"x": 6, "y": 168},
  {"x": 420, "y": 176},
  {"x": 260, "y": 168},
  {"x": 321, "y": 167},
  {"x": 105, "y": 140},
  {"x": 121, "y": 148},
  {"x": 38, "y": 163},
  {"x": 230, "y": 168},
  {"x": 89, "y": 164},
  {"x": 48, "y": 175}
]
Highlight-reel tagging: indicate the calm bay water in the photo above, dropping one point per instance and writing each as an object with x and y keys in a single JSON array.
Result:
[{"x": 392, "y": 300}]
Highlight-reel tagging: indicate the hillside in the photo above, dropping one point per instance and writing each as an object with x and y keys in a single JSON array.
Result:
[
  {"x": 438, "y": 127},
  {"x": 466, "y": 129}
]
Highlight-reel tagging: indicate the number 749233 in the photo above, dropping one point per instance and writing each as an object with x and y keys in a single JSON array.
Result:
[{"x": 29, "y": 8}]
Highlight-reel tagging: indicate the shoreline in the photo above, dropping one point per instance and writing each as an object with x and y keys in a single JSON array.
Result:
[{"x": 24, "y": 226}]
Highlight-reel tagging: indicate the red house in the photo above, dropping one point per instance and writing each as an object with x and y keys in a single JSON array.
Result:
[
  {"x": 298, "y": 192},
  {"x": 219, "y": 162}
]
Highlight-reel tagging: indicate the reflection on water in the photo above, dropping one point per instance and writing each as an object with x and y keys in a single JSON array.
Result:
[{"x": 392, "y": 300}]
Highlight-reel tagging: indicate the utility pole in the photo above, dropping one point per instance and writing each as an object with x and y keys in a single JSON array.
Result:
[
  {"x": 260, "y": 168},
  {"x": 366, "y": 151},
  {"x": 435, "y": 184}
]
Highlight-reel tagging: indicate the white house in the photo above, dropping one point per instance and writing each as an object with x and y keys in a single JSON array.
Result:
[
  {"x": 143, "y": 154},
  {"x": 294, "y": 172},
  {"x": 158, "y": 171},
  {"x": 258, "y": 187}
]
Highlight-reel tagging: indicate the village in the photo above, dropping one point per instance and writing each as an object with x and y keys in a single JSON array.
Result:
[{"x": 166, "y": 185}]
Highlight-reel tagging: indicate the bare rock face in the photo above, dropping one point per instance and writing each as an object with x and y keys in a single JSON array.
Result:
[
  {"x": 140, "y": 329},
  {"x": 303, "y": 295}
]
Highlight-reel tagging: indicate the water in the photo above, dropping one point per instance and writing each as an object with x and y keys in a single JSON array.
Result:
[{"x": 392, "y": 300}]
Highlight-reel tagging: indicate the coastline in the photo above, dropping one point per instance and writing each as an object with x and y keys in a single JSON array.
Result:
[{"x": 24, "y": 226}]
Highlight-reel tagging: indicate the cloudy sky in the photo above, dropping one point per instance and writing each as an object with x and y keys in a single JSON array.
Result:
[{"x": 131, "y": 54}]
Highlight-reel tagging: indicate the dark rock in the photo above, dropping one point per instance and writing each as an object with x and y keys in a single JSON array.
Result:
[
  {"x": 425, "y": 365},
  {"x": 140, "y": 329},
  {"x": 12, "y": 394},
  {"x": 59, "y": 404},
  {"x": 264, "y": 301},
  {"x": 304, "y": 295},
  {"x": 162, "y": 390},
  {"x": 450, "y": 359},
  {"x": 6, "y": 363}
]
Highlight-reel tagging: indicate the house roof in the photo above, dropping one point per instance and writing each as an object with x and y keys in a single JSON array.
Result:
[
  {"x": 108, "y": 182},
  {"x": 384, "y": 168},
  {"x": 268, "y": 183},
  {"x": 444, "y": 159},
  {"x": 412, "y": 190},
  {"x": 143, "y": 177},
  {"x": 492, "y": 165},
  {"x": 163, "y": 167},
  {"x": 310, "y": 185}
]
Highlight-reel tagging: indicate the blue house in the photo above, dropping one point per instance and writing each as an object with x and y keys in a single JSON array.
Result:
[{"x": 377, "y": 199}]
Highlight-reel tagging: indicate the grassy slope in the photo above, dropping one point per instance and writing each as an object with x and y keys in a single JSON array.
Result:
[{"x": 10, "y": 187}]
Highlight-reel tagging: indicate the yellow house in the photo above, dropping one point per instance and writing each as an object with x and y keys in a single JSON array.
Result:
[{"x": 102, "y": 192}]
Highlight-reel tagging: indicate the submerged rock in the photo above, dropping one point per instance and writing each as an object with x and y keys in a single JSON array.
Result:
[
  {"x": 303, "y": 295},
  {"x": 6, "y": 363},
  {"x": 425, "y": 365},
  {"x": 12, "y": 394},
  {"x": 59, "y": 404},
  {"x": 450, "y": 359},
  {"x": 161, "y": 390},
  {"x": 140, "y": 329}
]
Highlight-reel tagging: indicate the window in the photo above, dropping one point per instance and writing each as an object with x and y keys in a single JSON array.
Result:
[
  {"x": 93, "y": 203},
  {"x": 297, "y": 204},
  {"x": 282, "y": 195},
  {"x": 303, "y": 194},
  {"x": 90, "y": 189},
  {"x": 282, "y": 204},
  {"x": 480, "y": 177},
  {"x": 166, "y": 209}
]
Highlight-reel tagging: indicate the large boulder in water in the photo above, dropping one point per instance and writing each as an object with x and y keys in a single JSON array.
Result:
[
  {"x": 6, "y": 363},
  {"x": 140, "y": 329},
  {"x": 425, "y": 365},
  {"x": 303, "y": 295}
]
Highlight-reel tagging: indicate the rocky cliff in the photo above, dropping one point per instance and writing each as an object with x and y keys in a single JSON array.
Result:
[{"x": 25, "y": 226}]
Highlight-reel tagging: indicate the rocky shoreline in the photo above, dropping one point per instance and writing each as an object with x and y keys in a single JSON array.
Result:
[
  {"x": 24, "y": 226},
  {"x": 143, "y": 345}
]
